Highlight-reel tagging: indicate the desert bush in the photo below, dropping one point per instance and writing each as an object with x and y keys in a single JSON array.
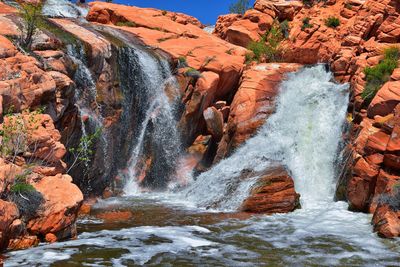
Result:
[
  {"x": 31, "y": 14},
  {"x": 182, "y": 63},
  {"x": 192, "y": 72},
  {"x": 306, "y": 23},
  {"x": 25, "y": 196},
  {"x": 378, "y": 75},
  {"x": 332, "y": 22},
  {"x": 82, "y": 154},
  {"x": 268, "y": 47},
  {"x": 125, "y": 24}
]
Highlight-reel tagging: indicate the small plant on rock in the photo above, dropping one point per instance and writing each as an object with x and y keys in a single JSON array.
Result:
[
  {"x": 125, "y": 24},
  {"x": 268, "y": 47},
  {"x": 25, "y": 196},
  {"x": 192, "y": 72},
  {"x": 332, "y": 22},
  {"x": 378, "y": 75},
  {"x": 84, "y": 152},
  {"x": 306, "y": 24},
  {"x": 31, "y": 14},
  {"x": 182, "y": 63}
]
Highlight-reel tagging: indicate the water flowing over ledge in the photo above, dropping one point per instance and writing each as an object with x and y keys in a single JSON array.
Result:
[{"x": 303, "y": 135}]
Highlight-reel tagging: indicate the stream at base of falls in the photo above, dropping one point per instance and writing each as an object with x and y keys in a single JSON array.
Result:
[
  {"x": 175, "y": 229},
  {"x": 165, "y": 232}
]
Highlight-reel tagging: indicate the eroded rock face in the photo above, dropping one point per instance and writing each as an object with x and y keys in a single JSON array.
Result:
[
  {"x": 202, "y": 51},
  {"x": 273, "y": 192},
  {"x": 59, "y": 212},
  {"x": 38, "y": 158},
  {"x": 242, "y": 29},
  {"x": 253, "y": 103},
  {"x": 8, "y": 213}
]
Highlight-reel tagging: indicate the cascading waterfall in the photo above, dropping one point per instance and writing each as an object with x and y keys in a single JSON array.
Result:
[
  {"x": 88, "y": 108},
  {"x": 155, "y": 144},
  {"x": 303, "y": 135},
  {"x": 63, "y": 9}
]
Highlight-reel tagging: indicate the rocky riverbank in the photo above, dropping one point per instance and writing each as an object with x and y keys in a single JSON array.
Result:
[{"x": 223, "y": 99}]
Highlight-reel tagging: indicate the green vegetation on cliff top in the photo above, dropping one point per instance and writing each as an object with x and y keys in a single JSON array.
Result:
[{"x": 378, "y": 75}]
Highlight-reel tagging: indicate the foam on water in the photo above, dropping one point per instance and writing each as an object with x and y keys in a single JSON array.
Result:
[
  {"x": 135, "y": 241},
  {"x": 63, "y": 9},
  {"x": 303, "y": 134},
  {"x": 159, "y": 116}
]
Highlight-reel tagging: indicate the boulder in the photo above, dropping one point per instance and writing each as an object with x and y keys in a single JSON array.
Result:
[
  {"x": 215, "y": 122},
  {"x": 60, "y": 210},
  {"x": 242, "y": 33},
  {"x": 386, "y": 222},
  {"x": 385, "y": 100},
  {"x": 273, "y": 193},
  {"x": 7, "y": 49},
  {"x": 8, "y": 213}
]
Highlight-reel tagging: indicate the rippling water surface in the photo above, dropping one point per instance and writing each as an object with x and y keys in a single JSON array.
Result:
[
  {"x": 164, "y": 232},
  {"x": 174, "y": 229}
]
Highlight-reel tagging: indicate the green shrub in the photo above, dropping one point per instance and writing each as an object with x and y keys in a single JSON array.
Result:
[
  {"x": 378, "y": 75},
  {"x": 84, "y": 152},
  {"x": 125, "y": 24},
  {"x": 182, "y": 62},
  {"x": 31, "y": 14},
  {"x": 332, "y": 22},
  {"x": 268, "y": 47},
  {"x": 306, "y": 24},
  {"x": 191, "y": 72},
  {"x": 25, "y": 196},
  {"x": 284, "y": 28}
]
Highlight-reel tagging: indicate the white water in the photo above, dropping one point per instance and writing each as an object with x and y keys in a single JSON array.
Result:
[
  {"x": 159, "y": 115},
  {"x": 63, "y": 9},
  {"x": 86, "y": 101},
  {"x": 303, "y": 135}
]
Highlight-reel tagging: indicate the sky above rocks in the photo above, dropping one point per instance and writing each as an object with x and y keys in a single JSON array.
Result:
[{"x": 207, "y": 11}]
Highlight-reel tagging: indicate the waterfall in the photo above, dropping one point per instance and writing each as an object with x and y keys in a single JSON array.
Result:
[
  {"x": 154, "y": 142},
  {"x": 303, "y": 135},
  {"x": 63, "y": 9},
  {"x": 91, "y": 119}
]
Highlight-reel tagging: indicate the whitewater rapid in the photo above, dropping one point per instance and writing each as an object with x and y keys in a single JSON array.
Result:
[
  {"x": 170, "y": 229},
  {"x": 303, "y": 135}
]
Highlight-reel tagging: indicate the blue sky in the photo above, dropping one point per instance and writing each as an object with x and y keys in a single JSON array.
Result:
[{"x": 207, "y": 11}]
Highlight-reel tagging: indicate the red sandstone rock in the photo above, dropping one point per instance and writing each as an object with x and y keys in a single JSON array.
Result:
[
  {"x": 273, "y": 193},
  {"x": 202, "y": 97},
  {"x": 386, "y": 222},
  {"x": 62, "y": 202},
  {"x": 360, "y": 187},
  {"x": 50, "y": 238},
  {"x": 377, "y": 142},
  {"x": 7, "y": 49},
  {"x": 23, "y": 84},
  {"x": 23, "y": 242},
  {"x": 8, "y": 213},
  {"x": 215, "y": 122},
  {"x": 254, "y": 101},
  {"x": 242, "y": 32},
  {"x": 202, "y": 50},
  {"x": 385, "y": 100},
  {"x": 6, "y": 9},
  {"x": 115, "y": 215}
]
